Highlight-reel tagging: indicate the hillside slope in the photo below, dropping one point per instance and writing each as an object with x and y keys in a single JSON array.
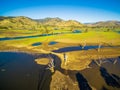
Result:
[
  {"x": 105, "y": 24},
  {"x": 20, "y": 22}
]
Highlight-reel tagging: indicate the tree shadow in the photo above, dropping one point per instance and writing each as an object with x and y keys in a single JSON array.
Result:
[
  {"x": 45, "y": 75},
  {"x": 116, "y": 78},
  {"x": 109, "y": 78},
  {"x": 102, "y": 61},
  {"x": 83, "y": 83},
  {"x": 74, "y": 48}
]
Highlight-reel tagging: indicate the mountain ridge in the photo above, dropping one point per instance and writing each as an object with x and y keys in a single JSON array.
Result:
[
  {"x": 23, "y": 22},
  {"x": 108, "y": 23}
]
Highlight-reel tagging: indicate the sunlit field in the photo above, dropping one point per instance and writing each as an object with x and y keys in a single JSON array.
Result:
[{"x": 90, "y": 53}]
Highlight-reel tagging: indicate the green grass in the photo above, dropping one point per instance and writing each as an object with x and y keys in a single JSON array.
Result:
[
  {"x": 28, "y": 41},
  {"x": 61, "y": 31},
  {"x": 92, "y": 34},
  {"x": 15, "y": 33},
  {"x": 92, "y": 37}
]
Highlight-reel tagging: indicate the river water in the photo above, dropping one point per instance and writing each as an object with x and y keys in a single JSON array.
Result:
[{"x": 18, "y": 71}]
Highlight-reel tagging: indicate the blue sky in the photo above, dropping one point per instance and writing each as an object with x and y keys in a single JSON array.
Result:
[{"x": 80, "y": 10}]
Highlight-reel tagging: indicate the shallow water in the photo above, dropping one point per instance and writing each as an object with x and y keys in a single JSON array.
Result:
[
  {"x": 36, "y": 44},
  {"x": 75, "y": 48},
  {"x": 52, "y": 43}
]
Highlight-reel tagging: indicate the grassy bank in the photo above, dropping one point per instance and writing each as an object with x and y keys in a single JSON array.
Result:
[{"x": 89, "y": 38}]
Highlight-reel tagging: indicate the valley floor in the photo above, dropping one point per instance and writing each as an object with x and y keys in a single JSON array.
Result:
[{"x": 81, "y": 49}]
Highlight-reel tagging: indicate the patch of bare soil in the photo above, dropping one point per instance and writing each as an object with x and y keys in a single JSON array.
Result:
[{"x": 62, "y": 82}]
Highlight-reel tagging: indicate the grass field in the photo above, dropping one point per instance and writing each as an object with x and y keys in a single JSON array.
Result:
[
  {"x": 89, "y": 37},
  {"x": 64, "y": 40},
  {"x": 77, "y": 60}
]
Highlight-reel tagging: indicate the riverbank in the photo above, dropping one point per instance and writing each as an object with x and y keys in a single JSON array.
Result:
[
  {"x": 77, "y": 60},
  {"x": 85, "y": 54}
]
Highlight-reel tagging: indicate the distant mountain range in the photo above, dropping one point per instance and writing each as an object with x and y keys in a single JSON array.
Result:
[
  {"x": 58, "y": 22},
  {"x": 105, "y": 24},
  {"x": 22, "y": 22}
]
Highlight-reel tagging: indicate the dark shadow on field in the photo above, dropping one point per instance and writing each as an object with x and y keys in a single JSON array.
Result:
[
  {"x": 45, "y": 75},
  {"x": 116, "y": 78},
  {"x": 83, "y": 83},
  {"x": 101, "y": 61},
  {"x": 109, "y": 79},
  {"x": 74, "y": 48},
  {"x": 80, "y": 47}
]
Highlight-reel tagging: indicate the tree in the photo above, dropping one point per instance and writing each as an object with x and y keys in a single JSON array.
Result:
[
  {"x": 86, "y": 30},
  {"x": 47, "y": 31},
  {"x": 72, "y": 28}
]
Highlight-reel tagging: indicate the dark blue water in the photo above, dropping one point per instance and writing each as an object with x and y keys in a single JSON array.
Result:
[
  {"x": 52, "y": 43},
  {"x": 74, "y": 48},
  {"x": 35, "y": 36},
  {"x": 18, "y": 71},
  {"x": 36, "y": 44},
  {"x": 21, "y": 37}
]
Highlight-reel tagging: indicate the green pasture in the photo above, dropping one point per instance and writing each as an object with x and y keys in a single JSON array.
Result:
[{"x": 92, "y": 37}]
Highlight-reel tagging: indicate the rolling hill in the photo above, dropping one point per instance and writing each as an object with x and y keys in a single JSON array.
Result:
[
  {"x": 22, "y": 23},
  {"x": 105, "y": 24},
  {"x": 58, "y": 22}
]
